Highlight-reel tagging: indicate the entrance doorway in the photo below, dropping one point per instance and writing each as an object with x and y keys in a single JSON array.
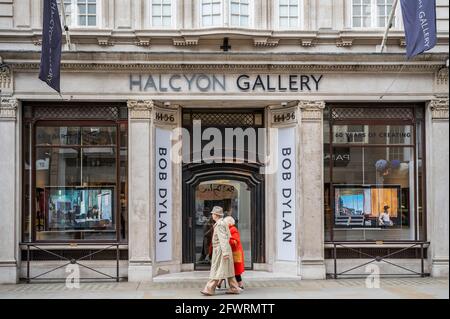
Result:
[
  {"x": 234, "y": 197},
  {"x": 233, "y": 181},
  {"x": 239, "y": 190}
]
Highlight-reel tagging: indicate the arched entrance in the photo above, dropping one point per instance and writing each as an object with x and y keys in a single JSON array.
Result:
[{"x": 239, "y": 189}]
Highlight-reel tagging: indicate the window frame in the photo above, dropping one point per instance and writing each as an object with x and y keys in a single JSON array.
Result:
[
  {"x": 173, "y": 16},
  {"x": 222, "y": 15},
  {"x": 301, "y": 17},
  {"x": 74, "y": 16},
  {"x": 397, "y": 22},
  {"x": 251, "y": 11},
  {"x": 118, "y": 188},
  {"x": 417, "y": 146},
  {"x": 225, "y": 13}
]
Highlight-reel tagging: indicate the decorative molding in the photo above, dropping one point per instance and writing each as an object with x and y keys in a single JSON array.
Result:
[
  {"x": 402, "y": 42},
  {"x": 311, "y": 110},
  {"x": 141, "y": 67},
  {"x": 37, "y": 40},
  {"x": 307, "y": 43},
  {"x": 442, "y": 77},
  {"x": 185, "y": 41},
  {"x": 140, "y": 109},
  {"x": 143, "y": 42},
  {"x": 104, "y": 42},
  {"x": 265, "y": 42},
  {"x": 8, "y": 107},
  {"x": 5, "y": 76},
  {"x": 439, "y": 108},
  {"x": 344, "y": 42}
]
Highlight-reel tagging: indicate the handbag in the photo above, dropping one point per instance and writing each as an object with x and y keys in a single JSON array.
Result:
[{"x": 237, "y": 256}]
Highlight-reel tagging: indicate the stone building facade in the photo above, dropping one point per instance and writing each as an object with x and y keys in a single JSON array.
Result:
[{"x": 139, "y": 70}]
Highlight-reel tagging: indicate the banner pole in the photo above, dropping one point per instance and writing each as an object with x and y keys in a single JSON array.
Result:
[
  {"x": 388, "y": 26},
  {"x": 66, "y": 28}
]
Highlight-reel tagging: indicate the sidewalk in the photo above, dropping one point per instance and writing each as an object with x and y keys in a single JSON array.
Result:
[{"x": 398, "y": 288}]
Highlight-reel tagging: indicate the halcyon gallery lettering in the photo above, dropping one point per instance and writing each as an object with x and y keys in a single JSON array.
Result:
[{"x": 222, "y": 83}]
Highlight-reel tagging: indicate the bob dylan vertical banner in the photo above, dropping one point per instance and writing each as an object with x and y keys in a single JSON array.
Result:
[
  {"x": 286, "y": 193},
  {"x": 163, "y": 195}
]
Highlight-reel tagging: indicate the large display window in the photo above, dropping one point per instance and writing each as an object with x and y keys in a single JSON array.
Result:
[
  {"x": 374, "y": 172},
  {"x": 75, "y": 174}
]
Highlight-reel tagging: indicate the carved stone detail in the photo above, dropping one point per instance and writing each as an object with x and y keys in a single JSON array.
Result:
[
  {"x": 140, "y": 109},
  {"x": 8, "y": 107},
  {"x": 311, "y": 110},
  {"x": 37, "y": 41},
  {"x": 143, "y": 42},
  {"x": 195, "y": 67},
  {"x": 442, "y": 77},
  {"x": 439, "y": 108},
  {"x": 307, "y": 43},
  {"x": 185, "y": 41},
  {"x": 5, "y": 76},
  {"x": 104, "y": 42},
  {"x": 265, "y": 42},
  {"x": 344, "y": 43}
]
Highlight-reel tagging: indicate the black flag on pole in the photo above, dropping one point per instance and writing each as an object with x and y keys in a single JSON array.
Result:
[{"x": 51, "y": 46}]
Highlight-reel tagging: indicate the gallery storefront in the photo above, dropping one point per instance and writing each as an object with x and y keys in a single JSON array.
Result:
[{"x": 322, "y": 165}]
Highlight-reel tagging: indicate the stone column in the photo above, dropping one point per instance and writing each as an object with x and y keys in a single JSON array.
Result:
[
  {"x": 9, "y": 211},
  {"x": 311, "y": 212},
  {"x": 437, "y": 185},
  {"x": 140, "y": 239}
]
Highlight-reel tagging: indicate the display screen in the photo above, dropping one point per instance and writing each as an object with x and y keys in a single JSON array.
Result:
[
  {"x": 365, "y": 205},
  {"x": 79, "y": 208}
]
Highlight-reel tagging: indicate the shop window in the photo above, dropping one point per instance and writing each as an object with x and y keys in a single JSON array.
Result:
[
  {"x": 373, "y": 170},
  {"x": 77, "y": 187},
  {"x": 372, "y": 13},
  {"x": 81, "y": 13},
  {"x": 289, "y": 14}
]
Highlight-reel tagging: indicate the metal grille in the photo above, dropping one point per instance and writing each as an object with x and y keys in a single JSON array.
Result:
[
  {"x": 38, "y": 255},
  {"x": 397, "y": 253},
  {"x": 386, "y": 113},
  {"x": 226, "y": 119},
  {"x": 67, "y": 111}
]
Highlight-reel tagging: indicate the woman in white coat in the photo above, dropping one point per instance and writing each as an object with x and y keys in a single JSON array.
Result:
[{"x": 222, "y": 266}]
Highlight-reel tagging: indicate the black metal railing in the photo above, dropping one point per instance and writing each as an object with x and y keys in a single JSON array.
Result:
[
  {"x": 71, "y": 261},
  {"x": 355, "y": 247}
]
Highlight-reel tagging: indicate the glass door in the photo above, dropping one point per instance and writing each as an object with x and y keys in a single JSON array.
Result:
[{"x": 235, "y": 199}]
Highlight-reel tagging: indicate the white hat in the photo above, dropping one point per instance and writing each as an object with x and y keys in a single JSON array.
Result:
[{"x": 217, "y": 210}]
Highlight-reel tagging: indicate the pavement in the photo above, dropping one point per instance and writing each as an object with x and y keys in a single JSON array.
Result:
[{"x": 265, "y": 288}]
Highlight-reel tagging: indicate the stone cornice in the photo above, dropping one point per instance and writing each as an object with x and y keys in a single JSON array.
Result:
[
  {"x": 8, "y": 108},
  {"x": 289, "y": 67},
  {"x": 439, "y": 108},
  {"x": 311, "y": 110},
  {"x": 140, "y": 109}
]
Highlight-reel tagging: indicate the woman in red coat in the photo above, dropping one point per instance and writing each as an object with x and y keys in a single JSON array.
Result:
[{"x": 236, "y": 247}]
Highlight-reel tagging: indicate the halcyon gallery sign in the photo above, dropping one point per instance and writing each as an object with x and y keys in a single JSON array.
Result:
[{"x": 201, "y": 82}]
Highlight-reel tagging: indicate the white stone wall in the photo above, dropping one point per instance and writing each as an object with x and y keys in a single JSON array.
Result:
[
  {"x": 125, "y": 25},
  {"x": 103, "y": 58}
]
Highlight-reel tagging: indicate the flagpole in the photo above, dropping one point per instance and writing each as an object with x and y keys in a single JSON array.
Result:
[
  {"x": 66, "y": 28},
  {"x": 388, "y": 26}
]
